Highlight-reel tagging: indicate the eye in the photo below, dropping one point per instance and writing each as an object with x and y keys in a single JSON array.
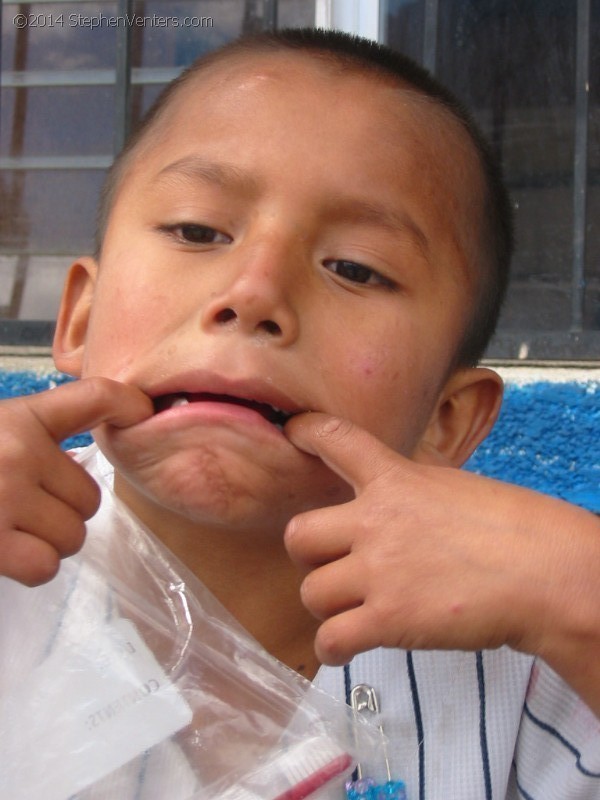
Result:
[
  {"x": 197, "y": 234},
  {"x": 357, "y": 273}
]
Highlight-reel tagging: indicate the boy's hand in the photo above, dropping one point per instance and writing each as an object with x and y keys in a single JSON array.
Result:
[
  {"x": 45, "y": 496},
  {"x": 430, "y": 557}
]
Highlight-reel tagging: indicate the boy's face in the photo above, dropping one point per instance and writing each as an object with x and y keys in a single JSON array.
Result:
[{"x": 290, "y": 235}]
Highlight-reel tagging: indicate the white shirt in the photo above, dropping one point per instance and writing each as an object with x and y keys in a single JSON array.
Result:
[
  {"x": 477, "y": 726},
  {"x": 492, "y": 725}
]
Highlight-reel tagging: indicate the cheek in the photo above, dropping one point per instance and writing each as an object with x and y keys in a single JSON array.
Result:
[
  {"x": 126, "y": 323},
  {"x": 387, "y": 388},
  {"x": 373, "y": 383}
]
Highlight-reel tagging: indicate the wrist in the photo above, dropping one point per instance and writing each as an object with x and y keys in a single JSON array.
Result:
[{"x": 570, "y": 643}]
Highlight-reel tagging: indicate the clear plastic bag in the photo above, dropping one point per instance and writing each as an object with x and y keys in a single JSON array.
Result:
[{"x": 125, "y": 678}]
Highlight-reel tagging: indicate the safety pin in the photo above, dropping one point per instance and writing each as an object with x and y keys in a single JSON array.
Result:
[{"x": 363, "y": 699}]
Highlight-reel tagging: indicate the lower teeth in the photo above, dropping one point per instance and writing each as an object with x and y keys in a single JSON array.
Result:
[{"x": 180, "y": 401}]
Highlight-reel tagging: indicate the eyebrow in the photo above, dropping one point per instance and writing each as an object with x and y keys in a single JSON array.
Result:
[
  {"x": 196, "y": 168},
  {"x": 357, "y": 211},
  {"x": 338, "y": 209}
]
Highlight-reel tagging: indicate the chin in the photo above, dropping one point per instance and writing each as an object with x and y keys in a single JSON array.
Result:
[{"x": 209, "y": 484}]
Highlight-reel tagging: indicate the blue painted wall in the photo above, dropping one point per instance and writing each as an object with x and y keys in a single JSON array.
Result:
[{"x": 547, "y": 437}]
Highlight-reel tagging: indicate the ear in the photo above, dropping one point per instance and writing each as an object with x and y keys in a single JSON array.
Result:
[
  {"x": 74, "y": 315},
  {"x": 464, "y": 415}
]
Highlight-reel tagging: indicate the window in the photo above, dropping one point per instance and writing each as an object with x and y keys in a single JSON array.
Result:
[
  {"x": 73, "y": 81},
  {"x": 530, "y": 72},
  {"x": 75, "y": 76}
]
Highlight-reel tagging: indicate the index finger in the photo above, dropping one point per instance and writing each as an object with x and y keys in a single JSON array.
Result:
[
  {"x": 350, "y": 451},
  {"x": 84, "y": 404}
]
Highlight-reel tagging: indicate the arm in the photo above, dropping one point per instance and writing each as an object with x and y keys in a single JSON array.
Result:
[
  {"x": 45, "y": 497},
  {"x": 430, "y": 557}
]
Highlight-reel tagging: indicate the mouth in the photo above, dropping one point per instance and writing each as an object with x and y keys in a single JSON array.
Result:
[{"x": 276, "y": 416}]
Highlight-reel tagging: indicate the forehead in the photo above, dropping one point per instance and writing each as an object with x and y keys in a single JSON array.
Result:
[
  {"x": 350, "y": 129},
  {"x": 275, "y": 87}
]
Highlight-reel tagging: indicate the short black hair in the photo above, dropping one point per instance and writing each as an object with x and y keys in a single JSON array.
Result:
[{"x": 363, "y": 55}]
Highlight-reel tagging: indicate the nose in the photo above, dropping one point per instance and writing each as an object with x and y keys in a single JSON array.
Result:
[{"x": 256, "y": 301}]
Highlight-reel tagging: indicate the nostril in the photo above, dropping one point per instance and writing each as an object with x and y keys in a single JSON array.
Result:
[
  {"x": 225, "y": 315},
  {"x": 270, "y": 327}
]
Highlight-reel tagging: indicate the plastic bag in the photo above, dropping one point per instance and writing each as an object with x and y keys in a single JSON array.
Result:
[{"x": 125, "y": 678}]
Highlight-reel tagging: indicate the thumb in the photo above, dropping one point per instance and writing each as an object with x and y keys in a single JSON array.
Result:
[
  {"x": 350, "y": 451},
  {"x": 85, "y": 404}
]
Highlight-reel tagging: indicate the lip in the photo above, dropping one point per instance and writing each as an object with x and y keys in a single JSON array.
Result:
[
  {"x": 210, "y": 414},
  {"x": 204, "y": 382}
]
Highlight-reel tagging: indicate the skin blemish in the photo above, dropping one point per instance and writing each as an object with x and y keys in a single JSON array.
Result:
[
  {"x": 368, "y": 368},
  {"x": 369, "y": 363}
]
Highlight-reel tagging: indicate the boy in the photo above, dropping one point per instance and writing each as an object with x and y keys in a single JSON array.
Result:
[{"x": 309, "y": 224}]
